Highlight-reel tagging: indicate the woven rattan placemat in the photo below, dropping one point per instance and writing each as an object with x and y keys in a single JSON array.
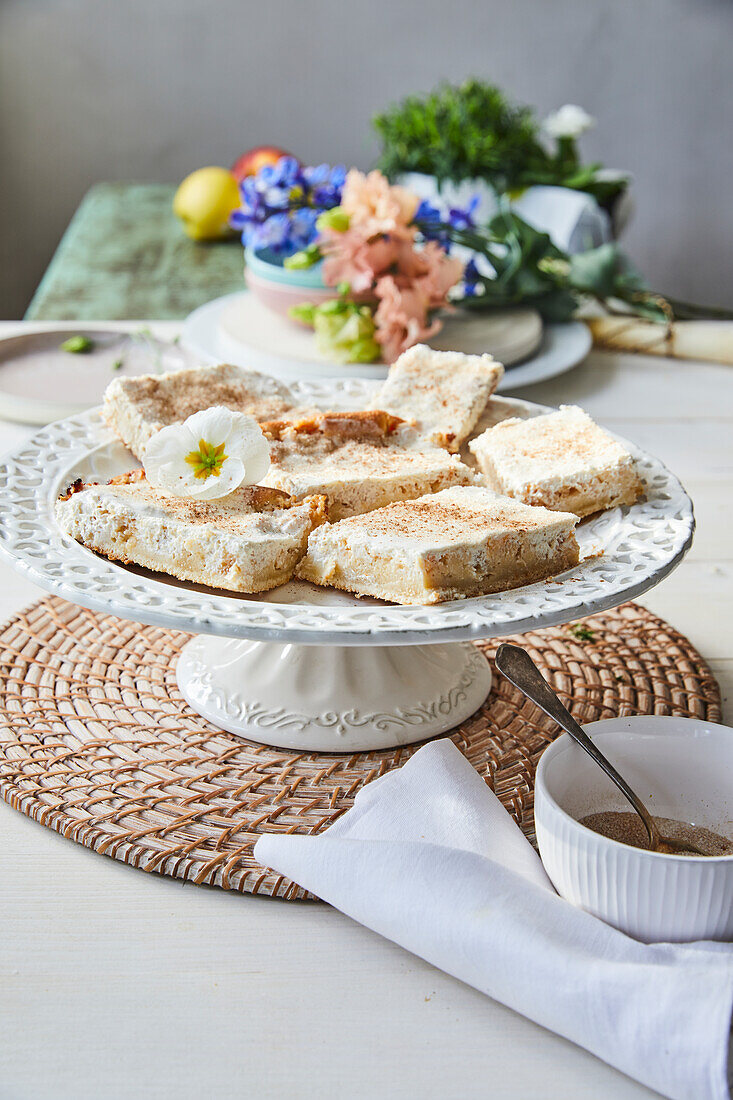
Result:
[{"x": 97, "y": 743}]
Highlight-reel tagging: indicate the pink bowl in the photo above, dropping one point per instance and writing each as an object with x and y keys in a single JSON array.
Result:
[{"x": 279, "y": 297}]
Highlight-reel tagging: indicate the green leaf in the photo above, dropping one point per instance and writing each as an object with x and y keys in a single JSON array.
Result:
[
  {"x": 582, "y": 632},
  {"x": 304, "y": 259},
  {"x": 336, "y": 218},
  {"x": 651, "y": 307},
  {"x": 595, "y": 271},
  {"x": 78, "y": 345},
  {"x": 333, "y": 305},
  {"x": 346, "y": 335},
  {"x": 557, "y": 306},
  {"x": 528, "y": 269},
  {"x": 305, "y": 313}
]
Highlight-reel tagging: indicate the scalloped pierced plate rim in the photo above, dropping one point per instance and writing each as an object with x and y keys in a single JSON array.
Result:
[{"x": 645, "y": 542}]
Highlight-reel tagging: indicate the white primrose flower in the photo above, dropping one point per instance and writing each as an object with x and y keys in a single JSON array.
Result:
[
  {"x": 207, "y": 456},
  {"x": 569, "y": 121}
]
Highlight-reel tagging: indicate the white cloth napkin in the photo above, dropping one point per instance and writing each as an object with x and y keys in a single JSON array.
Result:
[
  {"x": 429, "y": 858},
  {"x": 573, "y": 219}
]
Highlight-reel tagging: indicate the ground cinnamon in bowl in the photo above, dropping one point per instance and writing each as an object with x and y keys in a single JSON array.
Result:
[{"x": 627, "y": 828}]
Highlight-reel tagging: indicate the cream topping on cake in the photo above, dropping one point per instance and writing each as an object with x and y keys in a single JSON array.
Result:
[
  {"x": 460, "y": 515},
  {"x": 464, "y": 541},
  {"x": 248, "y": 541},
  {"x": 138, "y": 407},
  {"x": 559, "y": 443},
  {"x": 359, "y": 461},
  {"x": 560, "y": 459},
  {"x": 442, "y": 392}
]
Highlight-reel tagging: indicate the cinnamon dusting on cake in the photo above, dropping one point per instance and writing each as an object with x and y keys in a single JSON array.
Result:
[
  {"x": 174, "y": 396},
  {"x": 442, "y": 393},
  {"x": 544, "y": 438},
  {"x": 447, "y": 519},
  {"x": 225, "y": 513}
]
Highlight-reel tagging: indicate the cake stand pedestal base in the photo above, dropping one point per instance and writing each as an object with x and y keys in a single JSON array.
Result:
[{"x": 332, "y": 698}]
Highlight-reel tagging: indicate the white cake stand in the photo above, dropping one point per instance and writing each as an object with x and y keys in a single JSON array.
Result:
[{"x": 314, "y": 669}]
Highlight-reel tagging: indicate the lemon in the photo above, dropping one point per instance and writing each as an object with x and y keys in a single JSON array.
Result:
[{"x": 204, "y": 202}]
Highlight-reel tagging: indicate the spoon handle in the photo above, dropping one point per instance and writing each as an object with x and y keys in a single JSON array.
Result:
[{"x": 519, "y": 668}]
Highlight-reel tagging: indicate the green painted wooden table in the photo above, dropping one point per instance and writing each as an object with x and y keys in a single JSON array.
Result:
[{"x": 126, "y": 257}]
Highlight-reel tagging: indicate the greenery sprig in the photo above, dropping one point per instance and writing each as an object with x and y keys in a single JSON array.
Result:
[
  {"x": 524, "y": 267},
  {"x": 473, "y": 131}
]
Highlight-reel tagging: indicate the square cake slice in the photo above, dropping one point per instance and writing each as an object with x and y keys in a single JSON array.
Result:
[
  {"x": 442, "y": 392},
  {"x": 136, "y": 408},
  {"x": 249, "y": 541},
  {"x": 561, "y": 460},
  {"x": 358, "y": 461},
  {"x": 465, "y": 541}
]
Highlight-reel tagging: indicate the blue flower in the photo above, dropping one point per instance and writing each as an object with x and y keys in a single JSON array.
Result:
[
  {"x": 325, "y": 185},
  {"x": 338, "y": 175},
  {"x": 272, "y": 233},
  {"x": 471, "y": 278},
  {"x": 464, "y": 218},
  {"x": 302, "y": 228},
  {"x": 319, "y": 173},
  {"x": 238, "y": 219},
  {"x": 434, "y": 223},
  {"x": 426, "y": 212},
  {"x": 325, "y": 197},
  {"x": 325, "y": 173},
  {"x": 283, "y": 175},
  {"x": 280, "y": 205}
]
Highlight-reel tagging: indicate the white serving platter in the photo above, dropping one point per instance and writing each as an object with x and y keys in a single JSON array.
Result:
[
  {"x": 238, "y": 329},
  {"x": 40, "y": 382}
]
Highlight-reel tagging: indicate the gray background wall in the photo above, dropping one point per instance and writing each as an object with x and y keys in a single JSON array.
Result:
[{"x": 150, "y": 89}]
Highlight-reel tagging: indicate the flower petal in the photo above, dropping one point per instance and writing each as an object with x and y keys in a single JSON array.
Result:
[
  {"x": 230, "y": 478},
  {"x": 235, "y": 440},
  {"x": 213, "y": 425},
  {"x": 247, "y": 443}
]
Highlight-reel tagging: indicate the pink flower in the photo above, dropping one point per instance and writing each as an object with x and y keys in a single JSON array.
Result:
[
  {"x": 441, "y": 272},
  {"x": 374, "y": 206},
  {"x": 355, "y": 258},
  {"x": 401, "y": 317},
  {"x": 430, "y": 268},
  {"x": 377, "y": 255}
]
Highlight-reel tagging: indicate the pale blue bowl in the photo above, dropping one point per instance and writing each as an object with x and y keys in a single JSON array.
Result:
[{"x": 265, "y": 264}]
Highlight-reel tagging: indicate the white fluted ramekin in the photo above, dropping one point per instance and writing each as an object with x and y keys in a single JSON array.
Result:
[{"x": 683, "y": 769}]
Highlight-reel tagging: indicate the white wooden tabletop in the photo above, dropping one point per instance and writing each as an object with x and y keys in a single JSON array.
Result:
[{"x": 115, "y": 983}]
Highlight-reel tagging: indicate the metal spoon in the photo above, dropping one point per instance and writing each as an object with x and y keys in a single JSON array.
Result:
[{"x": 519, "y": 668}]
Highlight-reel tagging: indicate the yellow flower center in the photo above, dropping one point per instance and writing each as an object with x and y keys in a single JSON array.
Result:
[{"x": 207, "y": 460}]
